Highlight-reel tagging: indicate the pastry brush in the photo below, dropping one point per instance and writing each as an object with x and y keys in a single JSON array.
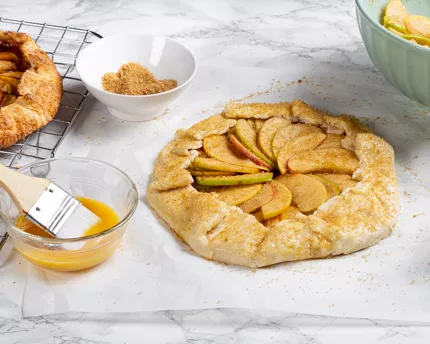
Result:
[{"x": 47, "y": 205}]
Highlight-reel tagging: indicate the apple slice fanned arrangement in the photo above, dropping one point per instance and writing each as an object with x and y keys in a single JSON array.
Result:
[
  {"x": 274, "y": 168},
  {"x": 10, "y": 75}
]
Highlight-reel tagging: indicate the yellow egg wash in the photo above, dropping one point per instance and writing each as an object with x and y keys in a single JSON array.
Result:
[
  {"x": 91, "y": 253},
  {"x": 107, "y": 215}
]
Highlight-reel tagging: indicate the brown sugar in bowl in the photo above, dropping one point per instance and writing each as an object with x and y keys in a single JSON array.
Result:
[{"x": 162, "y": 56}]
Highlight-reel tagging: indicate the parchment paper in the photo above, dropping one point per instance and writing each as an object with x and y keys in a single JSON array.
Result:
[{"x": 154, "y": 271}]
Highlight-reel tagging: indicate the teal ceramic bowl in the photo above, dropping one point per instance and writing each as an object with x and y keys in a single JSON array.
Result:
[{"x": 404, "y": 64}]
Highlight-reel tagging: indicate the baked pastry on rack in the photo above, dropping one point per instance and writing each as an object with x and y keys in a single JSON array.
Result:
[
  {"x": 30, "y": 87},
  {"x": 261, "y": 184}
]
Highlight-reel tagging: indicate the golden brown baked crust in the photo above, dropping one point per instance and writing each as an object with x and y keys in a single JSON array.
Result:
[
  {"x": 39, "y": 92},
  {"x": 358, "y": 218}
]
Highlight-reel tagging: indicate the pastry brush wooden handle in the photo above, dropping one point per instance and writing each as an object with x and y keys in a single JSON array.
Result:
[{"x": 23, "y": 190}]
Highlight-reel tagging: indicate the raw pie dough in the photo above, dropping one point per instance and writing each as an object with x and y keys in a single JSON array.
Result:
[
  {"x": 359, "y": 217},
  {"x": 38, "y": 93}
]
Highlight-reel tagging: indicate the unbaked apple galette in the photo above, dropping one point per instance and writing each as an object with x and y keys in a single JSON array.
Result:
[{"x": 261, "y": 184}]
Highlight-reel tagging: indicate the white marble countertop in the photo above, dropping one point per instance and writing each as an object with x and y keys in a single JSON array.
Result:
[{"x": 269, "y": 34}]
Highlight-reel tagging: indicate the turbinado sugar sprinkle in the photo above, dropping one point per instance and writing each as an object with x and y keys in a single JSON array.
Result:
[{"x": 134, "y": 79}]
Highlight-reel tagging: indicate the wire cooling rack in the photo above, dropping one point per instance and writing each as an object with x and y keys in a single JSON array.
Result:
[{"x": 62, "y": 44}]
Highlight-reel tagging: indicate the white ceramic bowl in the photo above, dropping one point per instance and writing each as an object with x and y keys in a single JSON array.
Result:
[{"x": 164, "y": 57}]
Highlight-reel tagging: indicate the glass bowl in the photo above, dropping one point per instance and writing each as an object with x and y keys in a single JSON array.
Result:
[{"x": 79, "y": 177}]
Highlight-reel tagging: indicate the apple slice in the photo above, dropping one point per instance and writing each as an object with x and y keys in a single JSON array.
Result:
[
  {"x": 308, "y": 192},
  {"x": 219, "y": 147},
  {"x": 259, "y": 216},
  {"x": 5, "y": 87},
  {"x": 395, "y": 32},
  {"x": 8, "y": 99},
  {"x": 267, "y": 133},
  {"x": 272, "y": 222},
  {"x": 300, "y": 144},
  {"x": 13, "y": 74},
  {"x": 290, "y": 213},
  {"x": 234, "y": 195},
  {"x": 210, "y": 173},
  {"x": 12, "y": 81},
  {"x": 7, "y": 66},
  {"x": 201, "y": 153},
  {"x": 291, "y": 133},
  {"x": 261, "y": 198},
  {"x": 7, "y": 56},
  {"x": 217, "y": 165},
  {"x": 332, "y": 188},
  {"x": 251, "y": 123},
  {"x": 417, "y": 39},
  {"x": 254, "y": 178},
  {"x": 418, "y": 26},
  {"x": 332, "y": 141},
  {"x": 203, "y": 188},
  {"x": 259, "y": 124},
  {"x": 280, "y": 202},
  {"x": 248, "y": 137},
  {"x": 337, "y": 160},
  {"x": 246, "y": 152},
  {"x": 395, "y": 15},
  {"x": 256, "y": 124},
  {"x": 342, "y": 181}
]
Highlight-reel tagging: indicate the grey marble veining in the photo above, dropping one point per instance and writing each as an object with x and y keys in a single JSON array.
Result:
[
  {"x": 262, "y": 34},
  {"x": 206, "y": 326}
]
